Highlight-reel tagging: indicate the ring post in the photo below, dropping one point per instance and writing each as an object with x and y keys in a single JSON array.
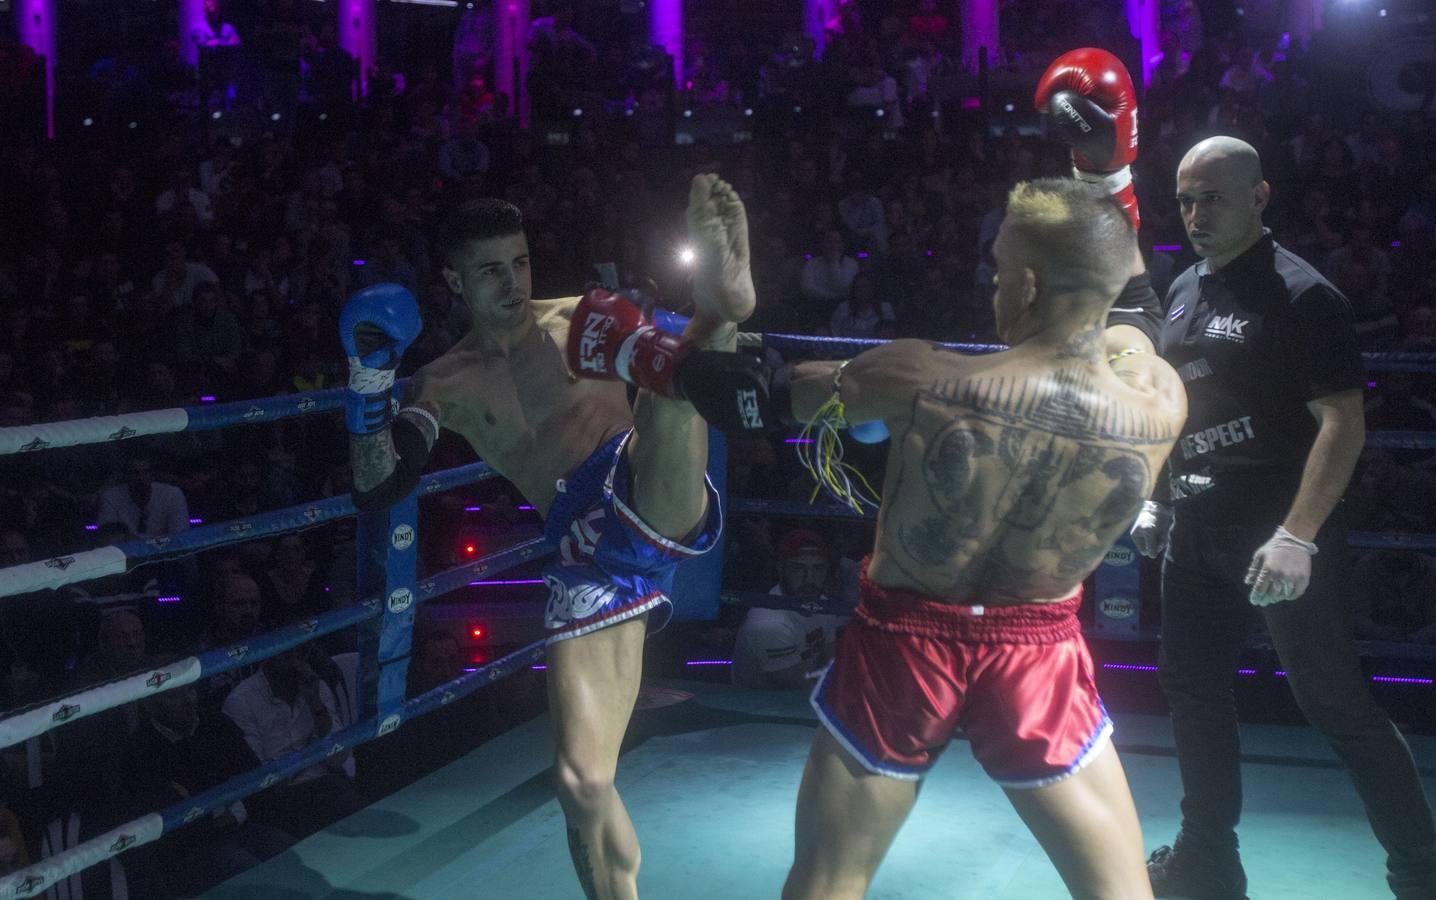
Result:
[
  {"x": 1117, "y": 604},
  {"x": 386, "y": 554}
]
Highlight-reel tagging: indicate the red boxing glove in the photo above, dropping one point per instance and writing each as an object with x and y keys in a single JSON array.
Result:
[
  {"x": 1092, "y": 100},
  {"x": 608, "y": 339}
]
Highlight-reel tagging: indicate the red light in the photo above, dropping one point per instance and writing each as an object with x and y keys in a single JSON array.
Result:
[
  {"x": 477, "y": 631},
  {"x": 470, "y": 549}
]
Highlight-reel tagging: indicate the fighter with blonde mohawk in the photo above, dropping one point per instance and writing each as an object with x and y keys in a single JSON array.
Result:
[{"x": 1009, "y": 477}]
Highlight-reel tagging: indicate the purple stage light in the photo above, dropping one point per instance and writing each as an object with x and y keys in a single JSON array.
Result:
[
  {"x": 524, "y": 506},
  {"x": 190, "y": 17},
  {"x": 207, "y": 398},
  {"x": 1246, "y": 671},
  {"x": 1125, "y": 667},
  {"x": 359, "y": 34},
  {"x": 196, "y": 521},
  {"x": 174, "y": 599},
  {"x": 92, "y": 528},
  {"x": 665, "y": 28},
  {"x": 1396, "y": 679},
  {"x": 862, "y": 254},
  {"x": 358, "y": 262},
  {"x": 472, "y": 508},
  {"x": 35, "y": 23},
  {"x": 709, "y": 662},
  {"x": 1167, "y": 248},
  {"x": 539, "y": 668},
  {"x": 797, "y": 440},
  {"x": 978, "y": 27}
]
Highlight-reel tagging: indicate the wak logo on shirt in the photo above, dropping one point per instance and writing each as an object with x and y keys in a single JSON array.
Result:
[{"x": 1228, "y": 328}]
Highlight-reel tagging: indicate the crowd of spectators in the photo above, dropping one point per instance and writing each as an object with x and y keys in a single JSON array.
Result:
[{"x": 188, "y": 261}]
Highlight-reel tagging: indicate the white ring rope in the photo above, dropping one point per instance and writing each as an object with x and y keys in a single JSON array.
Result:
[
  {"x": 97, "y": 430},
  {"x": 19, "y": 728},
  {"x": 53, "y": 869},
  {"x": 58, "y": 571}
]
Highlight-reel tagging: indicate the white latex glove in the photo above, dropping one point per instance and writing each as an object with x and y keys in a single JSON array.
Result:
[
  {"x": 1149, "y": 532},
  {"x": 1280, "y": 569}
]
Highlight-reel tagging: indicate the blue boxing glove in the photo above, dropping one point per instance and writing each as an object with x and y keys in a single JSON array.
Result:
[
  {"x": 376, "y": 326},
  {"x": 874, "y": 432}
]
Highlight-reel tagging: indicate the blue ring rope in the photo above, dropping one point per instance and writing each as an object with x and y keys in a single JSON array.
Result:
[
  {"x": 210, "y": 416},
  {"x": 834, "y": 347},
  {"x": 61, "y": 711},
  {"x": 179, "y": 814}
]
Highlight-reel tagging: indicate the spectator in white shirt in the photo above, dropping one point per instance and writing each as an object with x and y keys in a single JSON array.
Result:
[
  {"x": 781, "y": 649},
  {"x": 284, "y": 707},
  {"x": 148, "y": 508},
  {"x": 827, "y": 278},
  {"x": 873, "y": 88},
  {"x": 859, "y": 315}
]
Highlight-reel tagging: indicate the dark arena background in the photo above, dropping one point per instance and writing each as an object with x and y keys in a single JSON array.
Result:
[{"x": 190, "y": 191}]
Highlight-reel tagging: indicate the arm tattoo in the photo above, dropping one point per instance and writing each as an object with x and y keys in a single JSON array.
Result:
[
  {"x": 582, "y": 864},
  {"x": 371, "y": 457}
]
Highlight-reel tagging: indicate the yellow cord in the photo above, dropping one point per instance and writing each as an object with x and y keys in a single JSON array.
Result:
[
  {"x": 820, "y": 450},
  {"x": 1130, "y": 351}
]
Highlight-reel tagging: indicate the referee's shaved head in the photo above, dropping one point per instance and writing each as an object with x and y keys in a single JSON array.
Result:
[
  {"x": 1222, "y": 196},
  {"x": 1233, "y": 157}
]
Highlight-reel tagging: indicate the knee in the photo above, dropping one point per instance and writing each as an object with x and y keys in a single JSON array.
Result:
[{"x": 581, "y": 786}]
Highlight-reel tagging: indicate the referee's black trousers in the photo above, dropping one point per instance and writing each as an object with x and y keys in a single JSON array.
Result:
[{"x": 1206, "y": 619}]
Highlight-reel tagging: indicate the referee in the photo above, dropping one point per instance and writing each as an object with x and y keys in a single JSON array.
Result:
[{"x": 1267, "y": 351}]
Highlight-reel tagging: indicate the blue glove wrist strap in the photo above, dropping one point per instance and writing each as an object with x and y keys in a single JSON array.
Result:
[{"x": 368, "y": 413}]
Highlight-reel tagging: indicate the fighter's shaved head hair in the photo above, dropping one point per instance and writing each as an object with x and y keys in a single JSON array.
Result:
[
  {"x": 1073, "y": 235},
  {"x": 1232, "y": 157}
]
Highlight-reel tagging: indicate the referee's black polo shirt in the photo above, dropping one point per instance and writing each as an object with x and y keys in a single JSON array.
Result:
[{"x": 1253, "y": 343}]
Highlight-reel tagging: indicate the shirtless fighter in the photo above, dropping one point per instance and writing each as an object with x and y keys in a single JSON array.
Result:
[
  {"x": 623, "y": 490},
  {"x": 1009, "y": 477}
]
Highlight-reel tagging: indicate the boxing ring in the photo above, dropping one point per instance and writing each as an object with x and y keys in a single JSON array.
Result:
[{"x": 710, "y": 773}]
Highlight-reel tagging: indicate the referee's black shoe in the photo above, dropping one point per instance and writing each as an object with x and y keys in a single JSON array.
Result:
[{"x": 1192, "y": 870}]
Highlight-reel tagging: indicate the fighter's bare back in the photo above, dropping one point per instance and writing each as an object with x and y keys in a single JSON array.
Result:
[
  {"x": 1011, "y": 474},
  {"x": 523, "y": 412}
]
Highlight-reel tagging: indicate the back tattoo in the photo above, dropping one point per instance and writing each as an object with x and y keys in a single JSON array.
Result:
[{"x": 998, "y": 454}]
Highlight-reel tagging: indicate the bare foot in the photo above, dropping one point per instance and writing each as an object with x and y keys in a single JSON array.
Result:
[{"x": 718, "y": 227}]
